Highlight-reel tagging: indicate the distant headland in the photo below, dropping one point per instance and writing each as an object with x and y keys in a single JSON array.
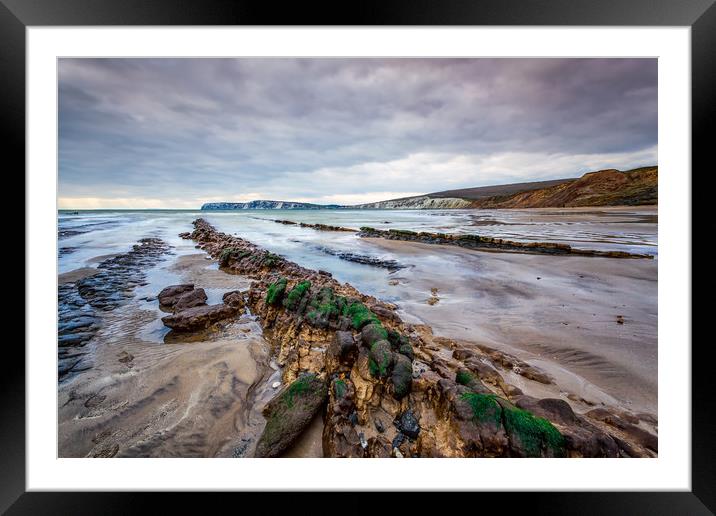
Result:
[{"x": 608, "y": 187}]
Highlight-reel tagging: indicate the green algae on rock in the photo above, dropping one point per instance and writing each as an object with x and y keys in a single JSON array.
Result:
[
  {"x": 293, "y": 298},
  {"x": 274, "y": 294},
  {"x": 289, "y": 413},
  {"x": 489, "y": 243}
]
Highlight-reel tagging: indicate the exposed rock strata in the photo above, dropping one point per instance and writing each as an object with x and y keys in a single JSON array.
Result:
[
  {"x": 317, "y": 227},
  {"x": 455, "y": 402},
  {"x": 489, "y": 243},
  {"x": 80, "y": 303},
  {"x": 363, "y": 259}
]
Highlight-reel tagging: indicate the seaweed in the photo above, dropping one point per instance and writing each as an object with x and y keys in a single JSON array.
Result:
[{"x": 226, "y": 254}]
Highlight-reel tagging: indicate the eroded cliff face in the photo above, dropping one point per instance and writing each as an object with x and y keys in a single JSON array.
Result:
[
  {"x": 387, "y": 388},
  {"x": 418, "y": 203}
]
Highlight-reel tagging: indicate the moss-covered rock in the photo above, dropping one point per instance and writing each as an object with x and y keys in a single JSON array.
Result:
[
  {"x": 471, "y": 381},
  {"x": 380, "y": 359},
  {"x": 293, "y": 299},
  {"x": 528, "y": 435},
  {"x": 484, "y": 407},
  {"x": 229, "y": 253},
  {"x": 372, "y": 333},
  {"x": 275, "y": 292},
  {"x": 289, "y": 413},
  {"x": 269, "y": 260},
  {"x": 402, "y": 376},
  {"x": 407, "y": 350},
  {"x": 360, "y": 315},
  {"x": 532, "y": 436},
  {"x": 324, "y": 307}
]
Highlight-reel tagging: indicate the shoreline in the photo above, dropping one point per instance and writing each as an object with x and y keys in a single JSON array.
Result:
[{"x": 68, "y": 211}]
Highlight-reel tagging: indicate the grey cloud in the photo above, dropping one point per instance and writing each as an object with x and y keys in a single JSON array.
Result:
[{"x": 196, "y": 128}]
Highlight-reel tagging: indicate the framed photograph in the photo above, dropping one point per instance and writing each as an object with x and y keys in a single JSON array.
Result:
[{"x": 290, "y": 249}]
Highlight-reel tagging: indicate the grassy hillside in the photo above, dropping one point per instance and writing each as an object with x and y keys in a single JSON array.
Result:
[
  {"x": 609, "y": 187},
  {"x": 485, "y": 192}
]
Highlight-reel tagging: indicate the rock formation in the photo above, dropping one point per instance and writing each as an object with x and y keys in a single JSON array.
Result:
[
  {"x": 490, "y": 243},
  {"x": 395, "y": 389},
  {"x": 190, "y": 311}
]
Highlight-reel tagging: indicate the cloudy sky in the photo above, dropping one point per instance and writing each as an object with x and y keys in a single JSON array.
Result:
[{"x": 175, "y": 133}]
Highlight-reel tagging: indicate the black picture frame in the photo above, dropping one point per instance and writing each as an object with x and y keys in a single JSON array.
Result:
[{"x": 700, "y": 15}]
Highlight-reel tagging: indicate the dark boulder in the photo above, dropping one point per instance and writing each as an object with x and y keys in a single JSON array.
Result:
[
  {"x": 196, "y": 297},
  {"x": 408, "y": 424},
  {"x": 168, "y": 296},
  {"x": 198, "y": 317},
  {"x": 402, "y": 376},
  {"x": 341, "y": 353},
  {"x": 234, "y": 298},
  {"x": 372, "y": 333}
]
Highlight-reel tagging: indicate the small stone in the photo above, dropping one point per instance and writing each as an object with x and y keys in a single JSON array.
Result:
[
  {"x": 363, "y": 442},
  {"x": 379, "y": 425},
  {"x": 408, "y": 424}
]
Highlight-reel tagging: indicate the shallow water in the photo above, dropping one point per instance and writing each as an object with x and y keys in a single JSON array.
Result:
[{"x": 108, "y": 232}]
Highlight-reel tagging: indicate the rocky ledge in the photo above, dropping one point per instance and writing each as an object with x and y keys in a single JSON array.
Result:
[
  {"x": 387, "y": 388},
  {"x": 489, "y": 243},
  {"x": 80, "y": 303},
  {"x": 317, "y": 227}
]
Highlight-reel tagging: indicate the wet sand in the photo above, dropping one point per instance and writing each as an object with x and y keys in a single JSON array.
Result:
[
  {"x": 144, "y": 398},
  {"x": 76, "y": 275},
  {"x": 558, "y": 313}
]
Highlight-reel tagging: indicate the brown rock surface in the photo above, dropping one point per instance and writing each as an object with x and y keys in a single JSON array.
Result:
[{"x": 198, "y": 317}]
